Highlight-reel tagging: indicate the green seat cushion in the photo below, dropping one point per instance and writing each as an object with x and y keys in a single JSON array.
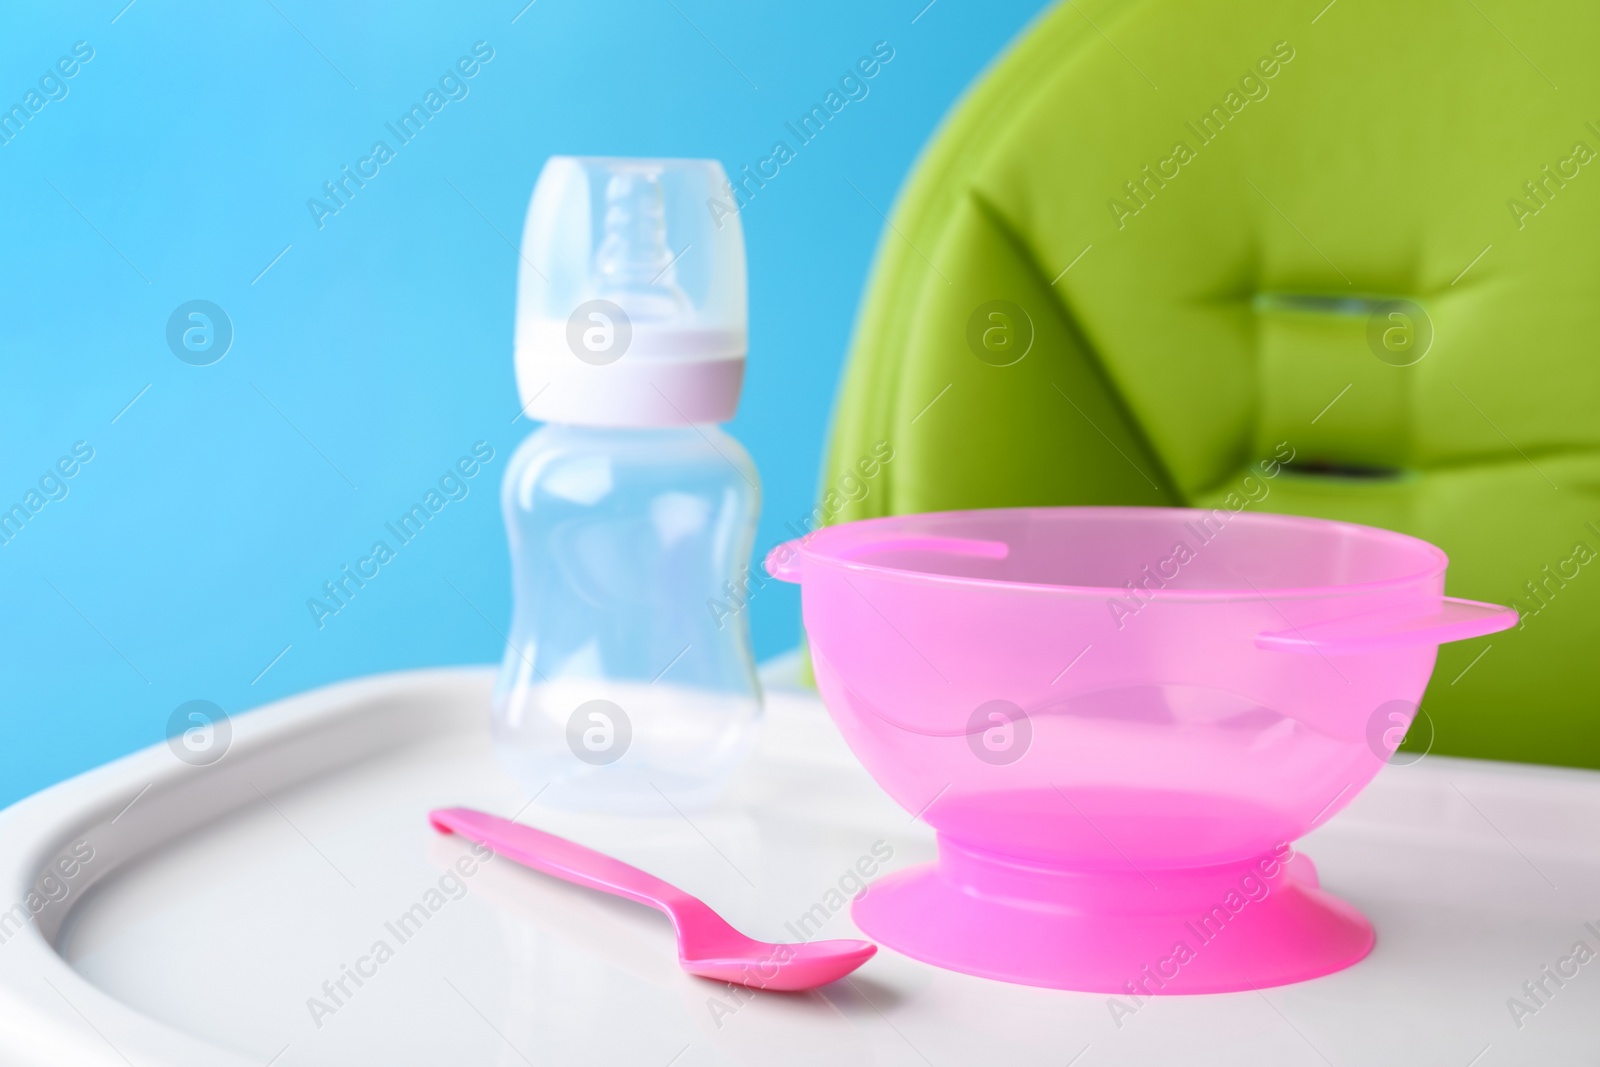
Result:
[{"x": 1163, "y": 241}]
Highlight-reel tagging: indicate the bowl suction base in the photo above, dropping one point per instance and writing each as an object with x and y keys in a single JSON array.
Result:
[{"x": 1210, "y": 930}]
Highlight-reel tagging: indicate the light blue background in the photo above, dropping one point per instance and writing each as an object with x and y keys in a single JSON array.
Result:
[{"x": 378, "y": 349}]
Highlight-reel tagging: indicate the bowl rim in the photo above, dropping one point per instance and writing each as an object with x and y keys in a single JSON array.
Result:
[{"x": 1439, "y": 561}]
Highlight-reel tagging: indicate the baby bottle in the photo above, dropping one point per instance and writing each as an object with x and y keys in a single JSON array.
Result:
[{"x": 627, "y": 683}]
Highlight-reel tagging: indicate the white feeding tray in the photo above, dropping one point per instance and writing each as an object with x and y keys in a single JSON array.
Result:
[{"x": 234, "y": 913}]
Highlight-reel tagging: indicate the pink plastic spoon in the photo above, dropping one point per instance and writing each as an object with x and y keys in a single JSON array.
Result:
[{"x": 707, "y": 946}]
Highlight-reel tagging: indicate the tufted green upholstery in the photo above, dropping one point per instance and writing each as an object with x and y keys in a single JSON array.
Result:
[{"x": 1193, "y": 310}]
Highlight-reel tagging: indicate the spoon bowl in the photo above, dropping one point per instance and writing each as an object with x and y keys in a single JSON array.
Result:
[{"x": 781, "y": 967}]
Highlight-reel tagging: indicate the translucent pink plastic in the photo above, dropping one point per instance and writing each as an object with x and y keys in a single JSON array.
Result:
[
  {"x": 1117, "y": 719},
  {"x": 707, "y": 945}
]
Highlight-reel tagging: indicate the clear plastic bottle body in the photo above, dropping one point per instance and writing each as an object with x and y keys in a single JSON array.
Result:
[{"x": 628, "y": 676}]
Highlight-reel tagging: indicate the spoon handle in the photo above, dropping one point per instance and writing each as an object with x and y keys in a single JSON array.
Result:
[{"x": 564, "y": 859}]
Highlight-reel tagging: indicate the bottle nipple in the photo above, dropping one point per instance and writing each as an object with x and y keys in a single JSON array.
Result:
[{"x": 637, "y": 266}]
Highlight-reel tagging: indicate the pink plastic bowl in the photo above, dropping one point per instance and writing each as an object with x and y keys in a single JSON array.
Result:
[{"x": 1117, "y": 719}]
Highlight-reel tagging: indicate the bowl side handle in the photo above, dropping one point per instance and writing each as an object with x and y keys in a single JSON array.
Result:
[
  {"x": 1453, "y": 620},
  {"x": 783, "y": 562}
]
